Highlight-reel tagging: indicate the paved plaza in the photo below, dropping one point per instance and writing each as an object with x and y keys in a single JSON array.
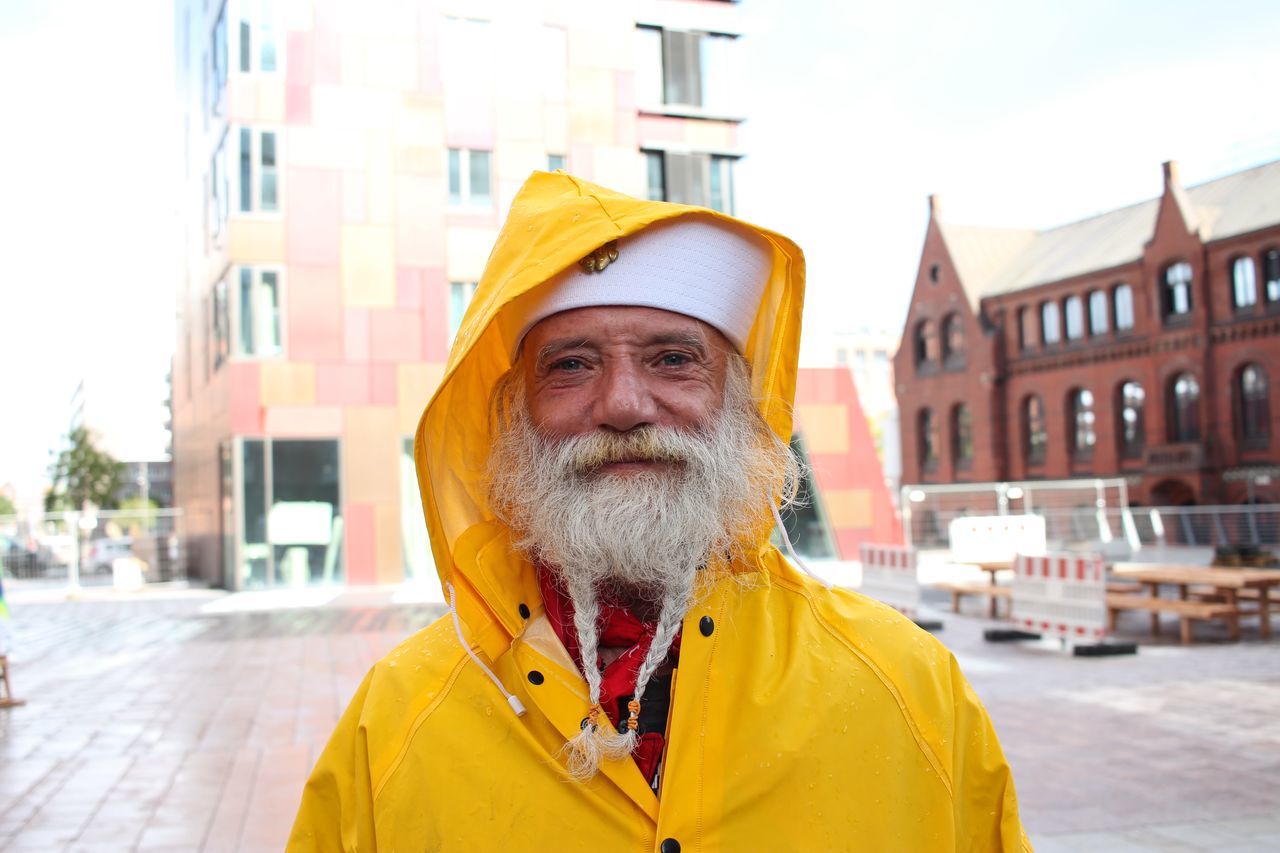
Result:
[{"x": 189, "y": 719}]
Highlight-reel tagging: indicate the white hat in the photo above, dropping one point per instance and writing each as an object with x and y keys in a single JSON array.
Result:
[{"x": 699, "y": 266}]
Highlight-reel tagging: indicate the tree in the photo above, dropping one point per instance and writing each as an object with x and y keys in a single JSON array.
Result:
[
  {"x": 6, "y": 505},
  {"x": 82, "y": 473}
]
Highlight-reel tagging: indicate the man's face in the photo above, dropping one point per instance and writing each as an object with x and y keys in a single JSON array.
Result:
[{"x": 616, "y": 368}]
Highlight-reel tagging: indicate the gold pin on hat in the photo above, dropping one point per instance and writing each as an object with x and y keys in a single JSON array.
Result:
[{"x": 600, "y": 258}]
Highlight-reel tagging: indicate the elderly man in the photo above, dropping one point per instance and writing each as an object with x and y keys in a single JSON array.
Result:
[{"x": 629, "y": 664}]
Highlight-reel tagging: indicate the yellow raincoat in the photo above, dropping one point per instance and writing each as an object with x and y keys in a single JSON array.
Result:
[{"x": 801, "y": 718}]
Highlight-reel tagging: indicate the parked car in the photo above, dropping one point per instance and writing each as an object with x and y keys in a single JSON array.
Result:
[
  {"x": 103, "y": 552},
  {"x": 21, "y": 559}
]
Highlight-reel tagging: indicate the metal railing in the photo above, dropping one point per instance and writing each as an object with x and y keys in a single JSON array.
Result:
[{"x": 75, "y": 548}]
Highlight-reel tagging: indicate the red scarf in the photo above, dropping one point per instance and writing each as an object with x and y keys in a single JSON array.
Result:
[{"x": 619, "y": 628}]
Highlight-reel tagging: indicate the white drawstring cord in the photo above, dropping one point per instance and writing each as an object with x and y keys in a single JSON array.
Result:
[
  {"x": 512, "y": 699},
  {"x": 786, "y": 540}
]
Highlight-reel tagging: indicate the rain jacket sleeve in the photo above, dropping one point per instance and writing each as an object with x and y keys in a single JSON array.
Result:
[{"x": 337, "y": 803}]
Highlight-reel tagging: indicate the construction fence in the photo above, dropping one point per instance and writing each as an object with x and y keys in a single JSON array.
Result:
[{"x": 94, "y": 548}]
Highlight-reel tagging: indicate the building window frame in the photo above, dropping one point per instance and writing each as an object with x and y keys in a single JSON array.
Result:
[
  {"x": 556, "y": 162},
  {"x": 1176, "y": 282},
  {"x": 924, "y": 346},
  {"x": 1244, "y": 283},
  {"x": 259, "y": 45},
  {"x": 961, "y": 436},
  {"x": 460, "y": 295},
  {"x": 927, "y": 439},
  {"x": 1122, "y": 303},
  {"x": 1083, "y": 423},
  {"x": 1183, "y": 395},
  {"x": 953, "y": 341},
  {"x": 258, "y": 184},
  {"x": 1253, "y": 407},
  {"x": 1035, "y": 430},
  {"x": 470, "y": 178},
  {"x": 219, "y": 192},
  {"x": 258, "y": 311},
  {"x": 1131, "y": 427},
  {"x": 1270, "y": 263},
  {"x": 1050, "y": 323},
  {"x": 220, "y": 325},
  {"x": 1073, "y": 318},
  {"x": 1099, "y": 322}
]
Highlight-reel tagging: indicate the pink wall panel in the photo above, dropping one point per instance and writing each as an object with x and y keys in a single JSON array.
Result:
[
  {"x": 429, "y": 79},
  {"x": 327, "y": 55},
  {"x": 299, "y": 59},
  {"x": 315, "y": 216},
  {"x": 297, "y": 104},
  {"x": 246, "y": 411},
  {"x": 661, "y": 129},
  {"x": 361, "y": 563},
  {"x": 356, "y": 333},
  {"x": 582, "y": 157},
  {"x": 355, "y": 197},
  {"x": 395, "y": 335},
  {"x": 315, "y": 314},
  {"x": 409, "y": 288},
  {"x": 435, "y": 315},
  {"x": 382, "y": 384},
  {"x": 420, "y": 219},
  {"x": 342, "y": 384}
]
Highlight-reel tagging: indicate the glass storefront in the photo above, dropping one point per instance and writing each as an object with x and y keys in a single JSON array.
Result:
[
  {"x": 806, "y": 523},
  {"x": 291, "y": 513},
  {"x": 414, "y": 542}
]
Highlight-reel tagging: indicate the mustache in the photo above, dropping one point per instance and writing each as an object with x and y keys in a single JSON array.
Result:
[{"x": 586, "y": 454}]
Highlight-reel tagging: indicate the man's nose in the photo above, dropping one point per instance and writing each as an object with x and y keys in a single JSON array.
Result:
[{"x": 625, "y": 400}]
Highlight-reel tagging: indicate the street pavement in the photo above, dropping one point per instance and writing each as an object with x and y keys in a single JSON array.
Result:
[{"x": 189, "y": 719}]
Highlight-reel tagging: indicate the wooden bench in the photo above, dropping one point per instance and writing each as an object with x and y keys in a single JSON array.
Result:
[
  {"x": 959, "y": 589},
  {"x": 1124, "y": 586},
  {"x": 1187, "y": 611}
]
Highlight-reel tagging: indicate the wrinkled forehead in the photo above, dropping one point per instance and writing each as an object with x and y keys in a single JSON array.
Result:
[{"x": 619, "y": 328}]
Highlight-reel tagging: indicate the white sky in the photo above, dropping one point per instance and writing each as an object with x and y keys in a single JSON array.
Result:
[{"x": 1017, "y": 112}]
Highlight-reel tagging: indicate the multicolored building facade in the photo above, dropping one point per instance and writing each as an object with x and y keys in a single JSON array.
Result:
[{"x": 347, "y": 168}]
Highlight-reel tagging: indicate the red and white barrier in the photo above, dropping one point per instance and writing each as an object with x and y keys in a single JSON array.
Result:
[
  {"x": 889, "y": 574},
  {"x": 1063, "y": 595},
  {"x": 991, "y": 538}
]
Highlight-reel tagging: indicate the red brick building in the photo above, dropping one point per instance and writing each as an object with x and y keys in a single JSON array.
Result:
[{"x": 1141, "y": 343}]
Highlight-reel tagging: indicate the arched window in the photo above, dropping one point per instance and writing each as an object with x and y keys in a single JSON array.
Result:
[
  {"x": 1244, "y": 283},
  {"x": 1035, "y": 437},
  {"x": 952, "y": 338},
  {"x": 927, "y": 430},
  {"x": 1084, "y": 434},
  {"x": 1132, "y": 426},
  {"x": 1123, "y": 297},
  {"x": 1177, "y": 289},
  {"x": 1184, "y": 408},
  {"x": 925, "y": 344},
  {"x": 1271, "y": 274},
  {"x": 1026, "y": 328},
  {"x": 1098, "y": 313},
  {"x": 1073, "y": 308},
  {"x": 1050, "y": 333},
  {"x": 1254, "y": 410},
  {"x": 961, "y": 436}
]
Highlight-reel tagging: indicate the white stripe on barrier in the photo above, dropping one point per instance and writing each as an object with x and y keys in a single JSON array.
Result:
[
  {"x": 1061, "y": 594},
  {"x": 889, "y": 574}
]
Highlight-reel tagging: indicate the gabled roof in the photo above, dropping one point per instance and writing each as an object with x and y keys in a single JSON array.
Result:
[{"x": 992, "y": 261}]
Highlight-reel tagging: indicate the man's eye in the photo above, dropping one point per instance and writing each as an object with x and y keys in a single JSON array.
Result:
[
  {"x": 569, "y": 364},
  {"x": 674, "y": 359}
]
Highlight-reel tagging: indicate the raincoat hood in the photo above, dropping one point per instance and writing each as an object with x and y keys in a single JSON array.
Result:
[{"x": 555, "y": 221}]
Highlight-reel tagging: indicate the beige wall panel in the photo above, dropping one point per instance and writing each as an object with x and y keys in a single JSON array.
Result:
[
  {"x": 354, "y": 106},
  {"x": 303, "y": 421},
  {"x": 608, "y": 41},
  {"x": 371, "y": 455},
  {"x": 481, "y": 10},
  {"x": 467, "y": 249},
  {"x": 393, "y": 63},
  {"x": 825, "y": 428},
  {"x": 327, "y": 148},
  {"x": 517, "y": 159},
  {"x": 848, "y": 507},
  {"x": 420, "y": 221},
  {"x": 388, "y": 548},
  {"x": 368, "y": 266},
  {"x": 555, "y": 124},
  {"x": 251, "y": 241},
  {"x": 709, "y": 135},
  {"x": 284, "y": 383},
  {"x": 352, "y": 59},
  {"x": 415, "y": 383},
  {"x": 622, "y": 169},
  {"x": 377, "y": 20},
  {"x": 380, "y": 170},
  {"x": 592, "y": 119},
  {"x": 421, "y": 122},
  {"x": 271, "y": 101},
  {"x": 242, "y": 97},
  {"x": 298, "y": 16}
]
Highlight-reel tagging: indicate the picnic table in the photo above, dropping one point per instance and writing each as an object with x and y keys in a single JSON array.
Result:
[
  {"x": 993, "y": 591},
  {"x": 1203, "y": 593}
]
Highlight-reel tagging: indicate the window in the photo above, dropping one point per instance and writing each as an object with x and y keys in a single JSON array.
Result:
[
  {"x": 218, "y": 60},
  {"x": 694, "y": 70},
  {"x": 1026, "y": 328},
  {"x": 1132, "y": 426},
  {"x": 259, "y": 182},
  {"x": 953, "y": 339},
  {"x": 1034, "y": 432},
  {"x": 1049, "y": 330},
  {"x": 1098, "y": 313},
  {"x": 925, "y": 344},
  {"x": 1123, "y": 296},
  {"x": 1244, "y": 283},
  {"x": 927, "y": 426},
  {"x": 1074, "y": 309},
  {"x": 961, "y": 436},
  {"x": 219, "y": 192},
  {"x": 460, "y": 295},
  {"x": 1184, "y": 421},
  {"x": 221, "y": 330},
  {"x": 1271, "y": 274},
  {"x": 1083, "y": 433},
  {"x": 842, "y": 356},
  {"x": 258, "y": 38},
  {"x": 705, "y": 180},
  {"x": 1254, "y": 410},
  {"x": 469, "y": 177},
  {"x": 1177, "y": 289},
  {"x": 258, "y": 304},
  {"x": 554, "y": 162}
]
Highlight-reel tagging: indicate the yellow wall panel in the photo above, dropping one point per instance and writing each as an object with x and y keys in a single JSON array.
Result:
[
  {"x": 825, "y": 428},
  {"x": 388, "y": 549},
  {"x": 415, "y": 383},
  {"x": 709, "y": 135},
  {"x": 303, "y": 421},
  {"x": 421, "y": 122},
  {"x": 327, "y": 148},
  {"x": 251, "y": 241},
  {"x": 467, "y": 250},
  {"x": 392, "y": 64},
  {"x": 515, "y": 160},
  {"x": 368, "y": 266},
  {"x": 271, "y": 101},
  {"x": 371, "y": 455},
  {"x": 284, "y": 383},
  {"x": 848, "y": 507},
  {"x": 555, "y": 123},
  {"x": 620, "y": 168},
  {"x": 607, "y": 42},
  {"x": 380, "y": 166},
  {"x": 592, "y": 119}
]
